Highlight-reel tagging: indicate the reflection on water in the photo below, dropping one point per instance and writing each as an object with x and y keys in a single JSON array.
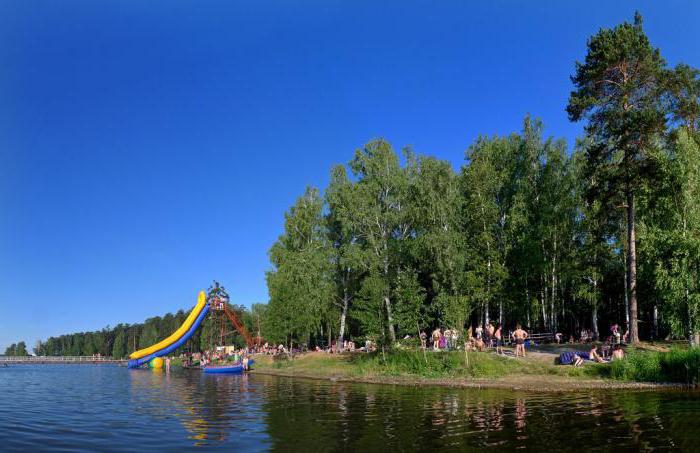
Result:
[{"x": 111, "y": 408}]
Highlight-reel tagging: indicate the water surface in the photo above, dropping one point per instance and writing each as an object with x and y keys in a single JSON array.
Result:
[{"x": 105, "y": 407}]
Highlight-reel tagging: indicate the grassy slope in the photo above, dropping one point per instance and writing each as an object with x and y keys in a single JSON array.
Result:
[
  {"x": 537, "y": 372},
  {"x": 416, "y": 364}
]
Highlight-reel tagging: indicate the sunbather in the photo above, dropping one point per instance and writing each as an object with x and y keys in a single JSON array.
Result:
[{"x": 593, "y": 355}]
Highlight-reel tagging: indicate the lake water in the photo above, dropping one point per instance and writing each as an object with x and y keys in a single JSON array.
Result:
[{"x": 105, "y": 407}]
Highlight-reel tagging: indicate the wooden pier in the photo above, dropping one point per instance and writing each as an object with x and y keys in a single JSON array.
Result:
[{"x": 57, "y": 360}]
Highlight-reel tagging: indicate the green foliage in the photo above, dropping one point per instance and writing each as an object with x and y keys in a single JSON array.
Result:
[
  {"x": 619, "y": 90},
  {"x": 17, "y": 350},
  {"x": 402, "y": 362},
  {"x": 301, "y": 286},
  {"x": 676, "y": 366}
]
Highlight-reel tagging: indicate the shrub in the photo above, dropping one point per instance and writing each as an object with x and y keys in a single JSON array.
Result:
[{"x": 678, "y": 365}]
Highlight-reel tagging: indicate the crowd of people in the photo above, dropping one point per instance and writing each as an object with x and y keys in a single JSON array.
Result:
[
  {"x": 217, "y": 357},
  {"x": 491, "y": 337},
  {"x": 587, "y": 335},
  {"x": 479, "y": 338},
  {"x": 607, "y": 354}
]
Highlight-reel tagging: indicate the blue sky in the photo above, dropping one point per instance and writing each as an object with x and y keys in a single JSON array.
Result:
[{"x": 147, "y": 148}]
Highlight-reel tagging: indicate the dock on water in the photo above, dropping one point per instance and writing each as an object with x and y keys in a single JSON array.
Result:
[{"x": 57, "y": 360}]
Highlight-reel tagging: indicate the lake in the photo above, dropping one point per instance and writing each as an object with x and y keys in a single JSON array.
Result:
[{"x": 106, "y": 407}]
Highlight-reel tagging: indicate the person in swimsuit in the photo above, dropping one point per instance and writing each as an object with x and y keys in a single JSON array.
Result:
[
  {"x": 593, "y": 354},
  {"x": 498, "y": 335},
  {"x": 519, "y": 336},
  {"x": 618, "y": 353},
  {"x": 478, "y": 332}
]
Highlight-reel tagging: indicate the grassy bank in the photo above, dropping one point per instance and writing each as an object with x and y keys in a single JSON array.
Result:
[
  {"x": 676, "y": 365},
  {"x": 537, "y": 372},
  {"x": 442, "y": 368}
]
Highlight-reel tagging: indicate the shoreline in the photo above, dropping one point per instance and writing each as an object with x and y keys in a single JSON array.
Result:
[
  {"x": 530, "y": 383},
  {"x": 537, "y": 373}
]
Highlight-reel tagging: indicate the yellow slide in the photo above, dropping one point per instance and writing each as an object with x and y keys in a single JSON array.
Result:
[{"x": 201, "y": 303}]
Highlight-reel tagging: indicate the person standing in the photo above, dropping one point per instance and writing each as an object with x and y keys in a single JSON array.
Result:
[
  {"x": 519, "y": 336},
  {"x": 436, "y": 339},
  {"x": 479, "y": 331},
  {"x": 423, "y": 339},
  {"x": 167, "y": 364},
  {"x": 498, "y": 335}
]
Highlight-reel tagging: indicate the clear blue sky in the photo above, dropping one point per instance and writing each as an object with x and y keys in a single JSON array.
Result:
[{"x": 149, "y": 147}]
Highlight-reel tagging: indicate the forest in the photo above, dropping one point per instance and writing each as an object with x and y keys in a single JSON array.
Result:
[{"x": 526, "y": 231}]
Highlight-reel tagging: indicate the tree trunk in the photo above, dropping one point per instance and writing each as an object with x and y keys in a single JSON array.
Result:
[
  {"x": 627, "y": 299},
  {"x": 543, "y": 301},
  {"x": 343, "y": 316},
  {"x": 594, "y": 317},
  {"x": 693, "y": 334},
  {"x": 656, "y": 322},
  {"x": 553, "y": 312},
  {"x": 528, "y": 303},
  {"x": 528, "y": 318},
  {"x": 488, "y": 294},
  {"x": 500, "y": 312},
  {"x": 594, "y": 322},
  {"x": 330, "y": 335},
  {"x": 390, "y": 319},
  {"x": 632, "y": 267},
  {"x": 387, "y": 300}
]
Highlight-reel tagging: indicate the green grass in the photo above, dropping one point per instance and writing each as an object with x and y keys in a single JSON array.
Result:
[
  {"x": 433, "y": 365},
  {"x": 677, "y": 366},
  {"x": 419, "y": 364}
]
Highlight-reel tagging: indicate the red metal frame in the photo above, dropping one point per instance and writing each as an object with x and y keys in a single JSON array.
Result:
[{"x": 239, "y": 326}]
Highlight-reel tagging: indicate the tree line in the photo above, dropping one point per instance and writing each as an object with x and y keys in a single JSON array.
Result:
[
  {"x": 17, "y": 350},
  {"x": 123, "y": 339},
  {"x": 526, "y": 231}
]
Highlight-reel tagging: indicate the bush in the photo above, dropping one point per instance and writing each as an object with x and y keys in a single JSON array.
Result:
[
  {"x": 396, "y": 362},
  {"x": 681, "y": 365},
  {"x": 678, "y": 365}
]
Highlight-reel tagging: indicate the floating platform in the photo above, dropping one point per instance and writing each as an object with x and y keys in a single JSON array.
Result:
[{"x": 233, "y": 368}]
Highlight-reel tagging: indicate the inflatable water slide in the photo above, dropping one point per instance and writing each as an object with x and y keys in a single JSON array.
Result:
[{"x": 177, "y": 339}]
